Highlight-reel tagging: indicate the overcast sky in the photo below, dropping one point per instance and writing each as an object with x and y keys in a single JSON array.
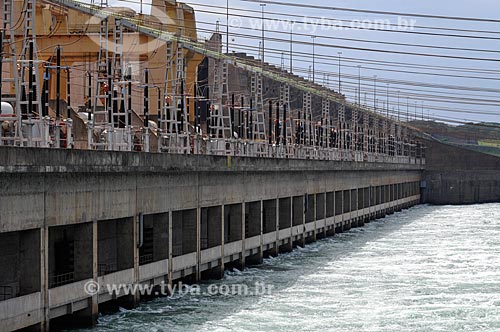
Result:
[{"x": 327, "y": 68}]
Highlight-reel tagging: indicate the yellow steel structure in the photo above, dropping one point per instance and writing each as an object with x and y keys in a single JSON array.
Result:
[{"x": 78, "y": 35}]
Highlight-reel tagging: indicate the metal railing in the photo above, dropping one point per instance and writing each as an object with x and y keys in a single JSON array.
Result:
[
  {"x": 106, "y": 268},
  {"x": 145, "y": 259},
  {"x": 6, "y": 292},
  {"x": 62, "y": 279},
  {"x": 200, "y": 143},
  {"x": 247, "y": 148}
]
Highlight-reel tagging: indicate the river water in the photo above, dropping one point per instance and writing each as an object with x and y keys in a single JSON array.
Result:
[{"x": 425, "y": 269}]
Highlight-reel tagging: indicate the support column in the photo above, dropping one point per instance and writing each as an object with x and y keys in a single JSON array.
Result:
[
  {"x": 198, "y": 243},
  {"x": 170, "y": 249},
  {"x": 290, "y": 240},
  {"x": 325, "y": 204},
  {"x": 276, "y": 248},
  {"x": 379, "y": 201},
  {"x": 343, "y": 212},
  {"x": 350, "y": 209},
  {"x": 356, "y": 210},
  {"x": 361, "y": 215},
  {"x": 94, "y": 304},
  {"x": 373, "y": 202},
  {"x": 261, "y": 250},
  {"x": 384, "y": 199},
  {"x": 221, "y": 263},
  {"x": 135, "y": 298},
  {"x": 398, "y": 197},
  {"x": 393, "y": 198},
  {"x": 302, "y": 241},
  {"x": 315, "y": 218},
  {"x": 243, "y": 236},
  {"x": 334, "y": 226},
  {"x": 44, "y": 278}
]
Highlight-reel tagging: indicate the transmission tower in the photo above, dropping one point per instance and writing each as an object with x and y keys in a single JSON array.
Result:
[
  {"x": 383, "y": 137},
  {"x": 287, "y": 138},
  {"x": 10, "y": 131},
  {"x": 174, "y": 120},
  {"x": 355, "y": 129},
  {"x": 366, "y": 132},
  {"x": 399, "y": 149},
  {"x": 374, "y": 136},
  {"x": 100, "y": 132},
  {"x": 325, "y": 122},
  {"x": 37, "y": 126},
  {"x": 258, "y": 114},
  {"x": 342, "y": 127},
  {"x": 308, "y": 123},
  {"x": 392, "y": 139}
]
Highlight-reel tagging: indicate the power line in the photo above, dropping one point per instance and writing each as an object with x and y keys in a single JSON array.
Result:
[
  {"x": 443, "y": 86},
  {"x": 392, "y": 63},
  {"x": 317, "y": 89},
  {"x": 337, "y": 46},
  {"x": 357, "y": 40},
  {"x": 340, "y": 20},
  {"x": 378, "y": 12}
]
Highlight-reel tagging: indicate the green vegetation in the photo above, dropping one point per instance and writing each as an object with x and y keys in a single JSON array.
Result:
[
  {"x": 490, "y": 143},
  {"x": 480, "y": 137},
  {"x": 483, "y": 149}
]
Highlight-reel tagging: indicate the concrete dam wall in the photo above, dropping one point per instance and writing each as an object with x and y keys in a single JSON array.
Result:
[
  {"x": 70, "y": 217},
  {"x": 459, "y": 176}
]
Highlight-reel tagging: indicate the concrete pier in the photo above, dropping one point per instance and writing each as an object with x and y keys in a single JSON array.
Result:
[{"x": 70, "y": 217}]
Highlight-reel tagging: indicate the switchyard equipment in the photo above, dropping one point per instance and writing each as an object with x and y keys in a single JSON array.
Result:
[
  {"x": 11, "y": 129},
  {"x": 350, "y": 134}
]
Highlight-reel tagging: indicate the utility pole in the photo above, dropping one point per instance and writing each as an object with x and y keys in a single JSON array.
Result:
[
  {"x": 375, "y": 93},
  {"x": 359, "y": 84},
  {"x": 227, "y": 27},
  {"x": 387, "y": 99},
  {"x": 340, "y": 82},
  {"x": 263, "y": 5},
  {"x": 314, "y": 60},
  {"x": 146, "y": 110},
  {"x": 407, "y": 109},
  {"x": 58, "y": 96},
  {"x": 291, "y": 47},
  {"x": 398, "y": 106}
]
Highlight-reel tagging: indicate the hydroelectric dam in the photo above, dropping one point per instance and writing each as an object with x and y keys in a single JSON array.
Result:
[
  {"x": 127, "y": 164},
  {"x": 74, "y": 217}
]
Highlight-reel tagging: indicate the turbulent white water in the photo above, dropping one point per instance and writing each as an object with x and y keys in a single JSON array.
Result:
[{"x": 425, "y": 269}]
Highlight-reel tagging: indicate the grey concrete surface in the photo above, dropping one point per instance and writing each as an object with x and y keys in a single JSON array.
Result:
[
  {"x": 200, "y": 214},
  {"x": 459, "y": 176}
]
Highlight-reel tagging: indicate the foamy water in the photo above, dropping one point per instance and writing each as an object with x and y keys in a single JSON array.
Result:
[{"x": 425, "y": 269}]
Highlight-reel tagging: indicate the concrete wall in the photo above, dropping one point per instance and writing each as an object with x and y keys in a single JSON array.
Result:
[
  {"x": 459, "y": 176},
  {"x": 203, "y": 211}
]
